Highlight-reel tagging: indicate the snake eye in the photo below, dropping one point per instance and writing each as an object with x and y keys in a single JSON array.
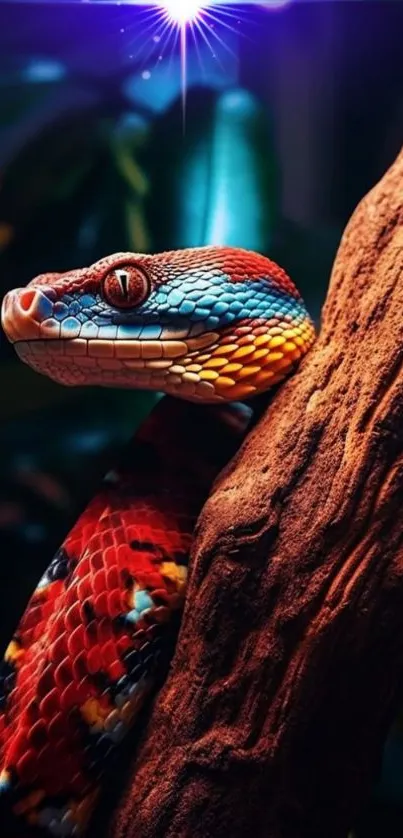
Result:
[{"x": 126, "y": 287}]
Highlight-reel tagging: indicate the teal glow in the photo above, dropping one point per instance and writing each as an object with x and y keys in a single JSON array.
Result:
[{"x": 227, "y": 196}]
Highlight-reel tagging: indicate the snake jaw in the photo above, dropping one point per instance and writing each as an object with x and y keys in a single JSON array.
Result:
[{"x": 153, "y": 365}]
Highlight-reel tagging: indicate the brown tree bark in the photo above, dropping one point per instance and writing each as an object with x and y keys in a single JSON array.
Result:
[{"x": 289, "y": 664}]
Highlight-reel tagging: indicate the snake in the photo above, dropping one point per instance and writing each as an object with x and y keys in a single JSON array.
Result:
[{"x": 212, "y": 327}]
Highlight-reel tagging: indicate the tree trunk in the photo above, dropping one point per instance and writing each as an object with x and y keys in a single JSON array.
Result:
[{"x": 289, "y": 664}]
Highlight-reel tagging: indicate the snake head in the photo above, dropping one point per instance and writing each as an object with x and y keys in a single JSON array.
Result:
[{"x": 209, "y": 324}]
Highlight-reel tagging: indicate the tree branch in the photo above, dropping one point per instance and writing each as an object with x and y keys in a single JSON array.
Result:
[{"x": 289, "y": 663}]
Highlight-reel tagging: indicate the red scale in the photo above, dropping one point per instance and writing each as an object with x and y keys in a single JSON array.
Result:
[{"x": 70, "y": 633}]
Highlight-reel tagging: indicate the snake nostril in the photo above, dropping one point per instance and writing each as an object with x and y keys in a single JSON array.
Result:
[{"x": 26, "y": 298}]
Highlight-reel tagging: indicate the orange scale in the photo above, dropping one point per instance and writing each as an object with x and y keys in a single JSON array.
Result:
[
  {"x": 242, "y": 391},
  {"x": 226, "y": 348},
  {"x": 264, "y": 376},
  {"x": 276, "y": 378},
  {"x": 284, "y": 364},
  {"x": 246, "y": 339},
  {"x": 247, "y": 372},
  {"x": 259, "y": 354},
  {"x": 244, "y": 351},
  {"x": 225, "y": 382},
  {"x": 273, "y": 357},
  {"x": 215, "y": 362}
]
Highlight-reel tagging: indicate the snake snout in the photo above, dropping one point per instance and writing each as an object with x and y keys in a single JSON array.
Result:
[{"x": 23, "y": 312}]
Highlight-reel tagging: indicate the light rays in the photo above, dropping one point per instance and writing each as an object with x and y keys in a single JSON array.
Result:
[
  {"x": 192, "y": 20},
  {"x": 182, "y": 11},
  {"x": 168, "y": 27},
  {"x": 173, "y": 24}
]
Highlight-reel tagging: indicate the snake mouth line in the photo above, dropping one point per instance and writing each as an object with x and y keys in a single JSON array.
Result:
[{"x": 137, "y": 352}]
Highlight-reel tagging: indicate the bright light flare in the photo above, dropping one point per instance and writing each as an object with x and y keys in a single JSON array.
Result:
[
  {"x": 182, "y": 11},
  {"x": 191, "y": 22}
]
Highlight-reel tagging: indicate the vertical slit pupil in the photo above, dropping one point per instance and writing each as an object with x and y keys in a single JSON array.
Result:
[{"x": 122, "y": 277}]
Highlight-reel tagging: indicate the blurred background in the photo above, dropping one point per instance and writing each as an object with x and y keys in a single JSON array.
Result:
[{"x": 292, "y": 112}]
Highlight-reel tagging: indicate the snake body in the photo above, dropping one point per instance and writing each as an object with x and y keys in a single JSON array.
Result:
[{"x": 206, "y": 325}]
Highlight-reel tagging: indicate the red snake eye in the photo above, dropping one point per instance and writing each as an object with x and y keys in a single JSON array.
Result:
[{"x": 126, "y": 286}]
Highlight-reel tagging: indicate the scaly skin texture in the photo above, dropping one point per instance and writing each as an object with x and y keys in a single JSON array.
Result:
[
  {"x": 89, "y": 647},
  {"x": 208, "y": 325}
]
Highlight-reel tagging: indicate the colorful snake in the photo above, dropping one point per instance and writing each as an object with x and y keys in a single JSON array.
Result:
[{"x": 207, "y": 325}]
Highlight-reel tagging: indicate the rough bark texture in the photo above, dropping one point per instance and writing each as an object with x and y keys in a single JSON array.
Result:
[{"x": 290, "y": 660}]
